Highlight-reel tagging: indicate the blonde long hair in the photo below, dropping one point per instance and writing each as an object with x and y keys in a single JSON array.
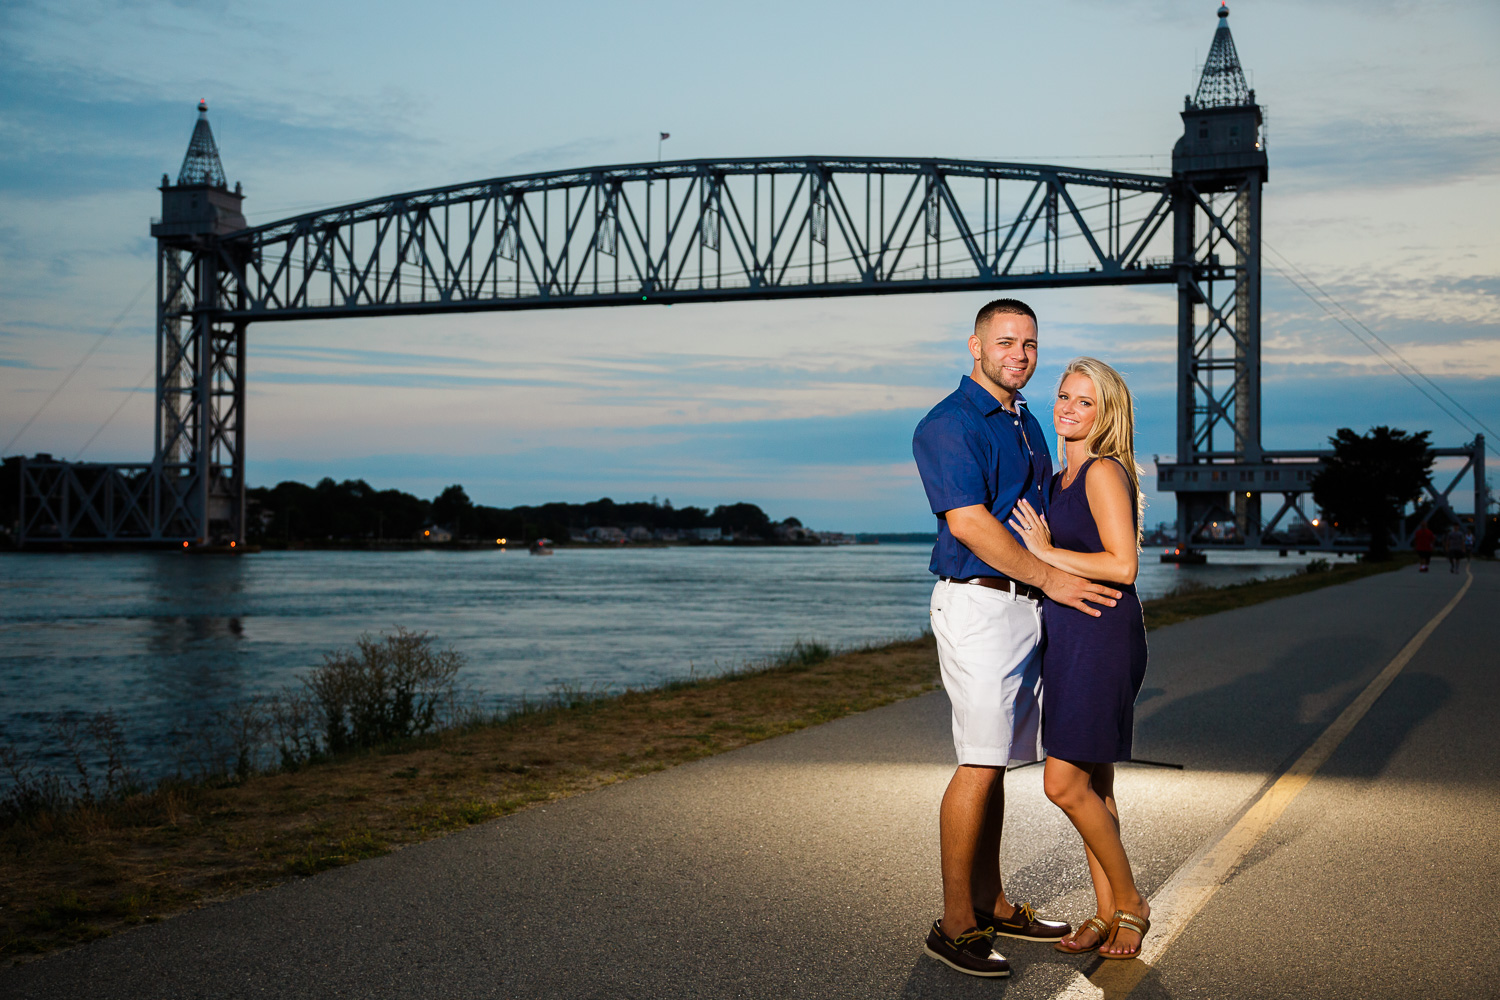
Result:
[{"x": 1113, "y": 433}]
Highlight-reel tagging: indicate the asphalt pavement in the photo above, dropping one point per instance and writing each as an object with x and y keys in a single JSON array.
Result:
[{"x": 806, "y": 866}]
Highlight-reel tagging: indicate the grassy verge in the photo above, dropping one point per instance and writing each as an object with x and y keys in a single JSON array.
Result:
[{"x": 74, "y": 875}]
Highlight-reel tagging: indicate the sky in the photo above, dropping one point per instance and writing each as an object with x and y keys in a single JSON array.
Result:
[{"x": 1383, "y": 139}]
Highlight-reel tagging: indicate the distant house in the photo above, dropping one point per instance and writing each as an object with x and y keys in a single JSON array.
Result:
[
  {"x": 834, "y": 538},
  {"x": 638, "y": 533},
  {"x": 607, "y": 535},
  {"x": 704, "y": 534},
  {"x": 792, "y": 532},
  {"x": 436, "y": 533},
  {"x": 666, "y": 534}
]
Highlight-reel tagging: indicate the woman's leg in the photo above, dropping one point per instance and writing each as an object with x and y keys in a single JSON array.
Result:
[
  {"x": 1085, "y": 792},
  {"x": 1102, "y": 783}
]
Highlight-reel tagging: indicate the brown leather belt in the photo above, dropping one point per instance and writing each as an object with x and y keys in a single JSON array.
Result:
[{"x": 1004, "y": 583}]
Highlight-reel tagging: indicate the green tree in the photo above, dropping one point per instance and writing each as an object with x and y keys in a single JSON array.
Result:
[
  {"x": 1370, "y": 478},
  {"x": 741, "y": 518},
  {"x": 451, "y": 508}
]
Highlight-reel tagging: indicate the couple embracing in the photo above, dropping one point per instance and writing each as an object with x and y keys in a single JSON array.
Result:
[{"x": 1039, "y": 632}]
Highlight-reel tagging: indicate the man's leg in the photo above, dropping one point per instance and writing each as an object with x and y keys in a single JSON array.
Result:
[
  {"x": 969, "y": 825},
  {"x": 985, "y": 882}
]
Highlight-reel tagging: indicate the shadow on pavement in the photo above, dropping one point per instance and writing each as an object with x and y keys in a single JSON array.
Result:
[
  {"x": 1259, "y": 721},
  {"x": 1404, "y": 706}
]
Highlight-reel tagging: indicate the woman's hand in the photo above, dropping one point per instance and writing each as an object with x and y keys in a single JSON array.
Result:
[{"x": 1032, "y": 527}]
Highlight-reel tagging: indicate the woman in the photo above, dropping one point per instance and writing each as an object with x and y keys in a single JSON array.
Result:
[
  {"x": 1093, "y": 667},
  {"x": 1453, "y": 547}
]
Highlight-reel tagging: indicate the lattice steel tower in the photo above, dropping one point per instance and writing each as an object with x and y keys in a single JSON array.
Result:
[
  {"x": 200, "y": 384},
  {"x": 1218, "y": 168}
]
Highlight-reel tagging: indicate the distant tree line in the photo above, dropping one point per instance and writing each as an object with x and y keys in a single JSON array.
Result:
[{"x": 353, "y": 510}]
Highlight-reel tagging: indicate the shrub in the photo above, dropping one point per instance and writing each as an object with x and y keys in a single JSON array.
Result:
[
  {"x": 1317, "y": 566},
  {"x": 386, "y": 689}
]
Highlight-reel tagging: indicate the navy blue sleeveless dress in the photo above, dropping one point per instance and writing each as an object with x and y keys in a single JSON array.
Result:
[{"x": 1092, "y": 668}]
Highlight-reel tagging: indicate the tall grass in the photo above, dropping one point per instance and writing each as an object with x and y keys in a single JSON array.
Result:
[
  {"x": 95, "y": 767},
  {"x": 388, "y": 688},
  {"x": 385, "y": 691}
]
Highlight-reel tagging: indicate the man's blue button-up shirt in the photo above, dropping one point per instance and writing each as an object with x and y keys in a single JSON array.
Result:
[{"x": 971, "y": 450}]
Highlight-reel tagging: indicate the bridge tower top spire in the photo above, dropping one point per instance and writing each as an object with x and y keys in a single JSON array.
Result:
[
  {"x": 200, "y": 203},
  {"x": 201, "y": 164},
  {"x": 1222, "y": 84},
  {"x": 1222, "y": 123}
]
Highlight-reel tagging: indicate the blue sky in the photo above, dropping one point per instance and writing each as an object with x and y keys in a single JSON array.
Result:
[{"x": 1384, "y": 142}]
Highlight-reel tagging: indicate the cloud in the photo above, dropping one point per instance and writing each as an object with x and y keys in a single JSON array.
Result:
[
  {"x": 570, "y": 153},
  {"x": 396, "y": 380},
  {"x": 1488, "y": 285},
  {"x": 1386, "y": 152},
  {"x": 354, "y": 355},
  {"x": 83, "y": 130}
]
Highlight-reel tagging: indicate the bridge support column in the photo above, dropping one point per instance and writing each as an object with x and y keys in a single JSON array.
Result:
[
  {"x": 200, "y": 405},
  {"x": 1481, "y": 494}
]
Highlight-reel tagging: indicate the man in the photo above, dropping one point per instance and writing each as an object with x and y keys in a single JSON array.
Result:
[
  {"x": 980, "y": 451},
  {"x": 1421, "y": 543}
]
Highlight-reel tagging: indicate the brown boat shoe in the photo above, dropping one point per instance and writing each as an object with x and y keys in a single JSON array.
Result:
[
  {"x": 969, "y": 953},
  {"x": 1024, "y": 924}
]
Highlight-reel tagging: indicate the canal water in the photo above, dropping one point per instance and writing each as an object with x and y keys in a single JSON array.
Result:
[{"x": 165, "y": 639}]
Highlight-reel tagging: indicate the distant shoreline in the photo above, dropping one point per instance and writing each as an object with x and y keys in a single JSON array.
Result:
[{"x": 472, "y": 545}]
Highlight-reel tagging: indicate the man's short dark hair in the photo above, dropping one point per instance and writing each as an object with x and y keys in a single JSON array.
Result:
[{"x": 1014, "y": 307}]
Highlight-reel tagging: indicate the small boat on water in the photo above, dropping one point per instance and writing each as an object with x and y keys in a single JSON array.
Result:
[{"x": 541, "y": 547}]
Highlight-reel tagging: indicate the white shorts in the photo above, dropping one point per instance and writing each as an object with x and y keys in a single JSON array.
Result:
[{"x": 990, "y": 652}]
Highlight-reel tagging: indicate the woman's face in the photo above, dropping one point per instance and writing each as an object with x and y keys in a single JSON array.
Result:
[{"x": 1076, "y": 408}]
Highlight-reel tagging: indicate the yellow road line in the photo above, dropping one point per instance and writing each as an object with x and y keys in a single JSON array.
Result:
[{"x": 1193, "y": 885}]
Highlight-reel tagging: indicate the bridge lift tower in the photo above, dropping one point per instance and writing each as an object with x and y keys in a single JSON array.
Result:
[
  {"x": 1218, "y": 169},
  {"x": 1221, "y": 471},
  {"x": 735, "y": 229}
]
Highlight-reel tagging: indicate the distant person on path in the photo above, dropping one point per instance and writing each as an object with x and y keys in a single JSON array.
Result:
[
  {"x": 979, "y": 451},
  {"x": 1421, "y": 543},
  {"x": 1093, "y": 666},
  {"x": 1453, "y": 547}
]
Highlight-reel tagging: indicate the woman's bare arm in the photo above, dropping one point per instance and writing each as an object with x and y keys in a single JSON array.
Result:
[{"x": 1109, "y": 501}]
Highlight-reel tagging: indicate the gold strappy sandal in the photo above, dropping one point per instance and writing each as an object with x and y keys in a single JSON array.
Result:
[
  {"x": 1095, "y": 924},
  {"x": 1138, "y": 924}
]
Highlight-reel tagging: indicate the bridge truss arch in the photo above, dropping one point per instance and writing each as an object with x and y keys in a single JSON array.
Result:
[{"x": 702, "y": 230}]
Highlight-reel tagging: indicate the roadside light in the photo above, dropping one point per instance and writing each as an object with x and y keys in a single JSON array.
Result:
[
  {"x": 184, "y": 544},
  {"x": 426, "y": 533},
  {"x": 231, "y": 545},
  {"x": 1247, "y": 496},
  {"x": 1315, "y": 522},
  {"x": 499, "y": 541}
]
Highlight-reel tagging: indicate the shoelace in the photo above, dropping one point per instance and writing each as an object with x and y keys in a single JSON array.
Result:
[
  {"x": 978, "y": 933},
  {"x": 1025, "y": 912}
]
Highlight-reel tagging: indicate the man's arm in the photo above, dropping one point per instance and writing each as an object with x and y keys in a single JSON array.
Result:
[{"x": 982, "y": 534}]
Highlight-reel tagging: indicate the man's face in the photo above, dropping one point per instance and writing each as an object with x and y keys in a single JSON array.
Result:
[{"x": 1005, "y": 350}]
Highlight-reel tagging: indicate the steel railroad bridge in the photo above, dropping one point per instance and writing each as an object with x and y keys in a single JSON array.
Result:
[{"x": 709, "y": 231}]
